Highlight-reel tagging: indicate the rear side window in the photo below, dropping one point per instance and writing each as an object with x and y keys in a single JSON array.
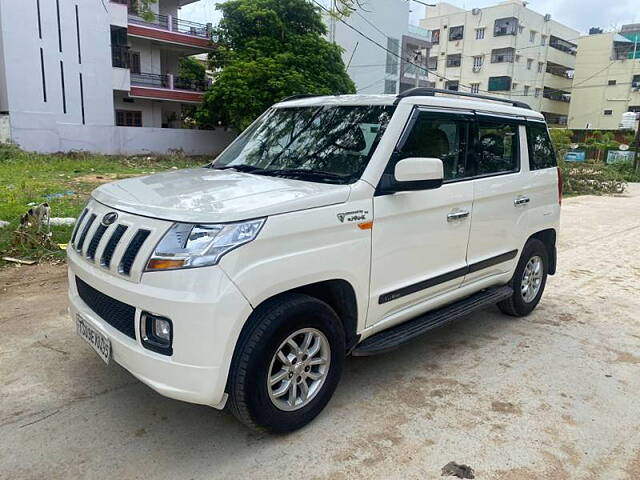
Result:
[
  {"x": 541, "y": 154},
  {"x": 442, "y": 136},
  {"x": 497, "y": 148}
]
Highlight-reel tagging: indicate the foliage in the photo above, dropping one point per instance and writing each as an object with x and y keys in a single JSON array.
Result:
[
  {"x": 562, "y": 140},
  {"x": 191, "y": 69},
  {"x": 268, "y": 50},
  {"x": 33, "y": 178},
  {"x": 144, "y": 9},
  {"x": 591, "y": 178}
]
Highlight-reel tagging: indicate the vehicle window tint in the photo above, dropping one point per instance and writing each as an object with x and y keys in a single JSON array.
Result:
[
  {"x": 541, "y": 154},
  {"x": 497, "y": 148},
  {"x": 435, "y": 136}
]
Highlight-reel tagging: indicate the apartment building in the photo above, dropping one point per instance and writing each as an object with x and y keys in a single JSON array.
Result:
[
  {"x": 506, "y": 49},
  {"x": 93, "y": 75},
  {"x": 607, "y": 79},
  {"x": 379, "y": 46}
]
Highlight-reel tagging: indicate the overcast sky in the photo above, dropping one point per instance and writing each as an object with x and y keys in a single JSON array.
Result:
[{"x": 579, "y": 14}]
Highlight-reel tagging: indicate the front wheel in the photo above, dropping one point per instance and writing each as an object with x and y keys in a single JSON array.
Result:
[
  {"x": 528, "y": 281},
  {"x": 287, "y": 364}
]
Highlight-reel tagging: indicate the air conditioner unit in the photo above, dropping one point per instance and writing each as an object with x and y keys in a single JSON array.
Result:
[
  {"x": 475, "y": 11},
  {"x": 547, "y": 17},
  {"x": 636, "y": 85}
]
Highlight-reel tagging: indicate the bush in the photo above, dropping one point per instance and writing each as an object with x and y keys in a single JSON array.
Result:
[{"x": 591, "y": 179}]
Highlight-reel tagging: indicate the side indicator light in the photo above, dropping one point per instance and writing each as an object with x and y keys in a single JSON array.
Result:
[
  {"x": 162, "y": 264},
  {"x": 365, "y": 225}
]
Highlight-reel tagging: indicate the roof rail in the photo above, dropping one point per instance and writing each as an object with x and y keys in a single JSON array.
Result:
[
  {"x": 299, "y": 96},
  {"x": 431, "y": 92}
]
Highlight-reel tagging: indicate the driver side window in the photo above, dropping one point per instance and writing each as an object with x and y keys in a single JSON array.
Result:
[{"x": 442, "y": 136}]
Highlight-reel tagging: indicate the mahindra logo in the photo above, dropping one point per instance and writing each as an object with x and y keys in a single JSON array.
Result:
[{"x": 109, "y": 218}]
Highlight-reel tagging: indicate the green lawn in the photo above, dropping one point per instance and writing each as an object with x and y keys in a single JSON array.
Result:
[{"x": 27, "y": 177}]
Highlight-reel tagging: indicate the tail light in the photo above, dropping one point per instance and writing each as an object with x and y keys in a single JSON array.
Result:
[{"x": 559, "y": 186}]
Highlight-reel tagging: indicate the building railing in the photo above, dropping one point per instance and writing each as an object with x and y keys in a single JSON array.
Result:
[
  {"x": 563, "y": 45},
  {"x": 174, "y": 24},
  {"x": 560, "y": 71},
  {"x": 168, "y": 81},
  {"x": 120, "y": 56},
  {"x": 558, "y": 96}
]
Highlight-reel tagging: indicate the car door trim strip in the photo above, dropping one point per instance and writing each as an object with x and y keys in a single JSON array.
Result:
[{"x": 446, "y": 277}]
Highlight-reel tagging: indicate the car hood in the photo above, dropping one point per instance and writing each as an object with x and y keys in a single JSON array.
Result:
[{"x": 204, "y": 195}]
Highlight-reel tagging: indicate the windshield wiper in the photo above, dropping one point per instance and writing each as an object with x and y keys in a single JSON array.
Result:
[
  {"x": 302, "y": 172},
  {"x": 238, "y": 168}
]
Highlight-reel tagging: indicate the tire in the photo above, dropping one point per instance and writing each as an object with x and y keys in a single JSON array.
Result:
[
  {"x": 255, "y": 361},
  {"x": 518, "y": 305}
]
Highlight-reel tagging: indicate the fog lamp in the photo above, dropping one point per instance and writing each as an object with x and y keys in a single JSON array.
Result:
[{"x": 156, "y": 333}]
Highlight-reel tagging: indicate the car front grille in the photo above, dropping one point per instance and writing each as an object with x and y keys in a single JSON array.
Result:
[
  {"x": 121, "y": 247},
  {"x": 117, "y": 314}
]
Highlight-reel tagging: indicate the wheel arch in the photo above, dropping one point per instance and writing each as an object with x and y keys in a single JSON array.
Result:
[
  {"x": 339, "y": 294},
  {"x": 548, "y": 238}
]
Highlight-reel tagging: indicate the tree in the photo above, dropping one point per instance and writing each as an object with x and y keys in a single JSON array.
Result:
[
  {"x": 191, "y": 70},
  {"x": 268, "y": 50}
]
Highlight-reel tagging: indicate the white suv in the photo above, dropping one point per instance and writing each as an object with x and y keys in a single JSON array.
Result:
[{"x": 332, "y": 226}]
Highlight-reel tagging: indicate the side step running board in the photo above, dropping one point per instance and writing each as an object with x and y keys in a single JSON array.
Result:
[{"x": 392, "y": 338}]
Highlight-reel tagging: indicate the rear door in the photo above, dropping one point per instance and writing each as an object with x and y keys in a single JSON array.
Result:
[
  {"x": 500, "y": 196},
  {"x": 419, "y": 238}
]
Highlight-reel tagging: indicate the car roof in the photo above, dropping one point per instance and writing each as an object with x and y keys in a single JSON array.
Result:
[{"x": 441, "y": 101}]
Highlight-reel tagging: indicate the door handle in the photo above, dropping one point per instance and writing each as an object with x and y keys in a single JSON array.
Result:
[
  {"x": 521, "y": 200},
  {"x": 457, "y": 215}
]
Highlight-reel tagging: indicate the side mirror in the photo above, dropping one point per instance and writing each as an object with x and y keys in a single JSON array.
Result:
[{"x": 414, "y": 174}]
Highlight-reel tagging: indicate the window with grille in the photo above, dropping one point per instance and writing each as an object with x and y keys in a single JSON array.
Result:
[
  {"x": 529, "y": 63},
  {"x": 502, "y": 55},
  {"x": 393, "y": 47},
  {"x": 456, "y": 33},
  {"x": 128, "y": 118},
  {"x": 477, "y": 62},
  {"x": 532, "y": 36},
  {"x": 497, "y": 84},
  {"x": 540, "y": 67},
  {"x": 454, "y": 60},
  {"x": 390, "y": 86},
  {"x": 480, "y": 33},
  {"x": 475, "y": 88}
]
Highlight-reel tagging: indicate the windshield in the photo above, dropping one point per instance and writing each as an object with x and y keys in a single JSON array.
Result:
[{"x": 329, "y": 144}]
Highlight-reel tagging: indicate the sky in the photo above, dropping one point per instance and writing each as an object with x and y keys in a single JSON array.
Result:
[{"x": 578, "y": 14}]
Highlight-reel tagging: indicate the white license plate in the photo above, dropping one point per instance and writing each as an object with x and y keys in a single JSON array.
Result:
[{"x": 93, "y": 337}]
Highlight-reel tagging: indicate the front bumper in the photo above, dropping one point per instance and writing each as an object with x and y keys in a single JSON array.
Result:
[{"x": 207, "y": 312}]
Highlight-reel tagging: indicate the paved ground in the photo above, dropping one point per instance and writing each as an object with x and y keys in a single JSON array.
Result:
[{"x": 553, "y": 396}]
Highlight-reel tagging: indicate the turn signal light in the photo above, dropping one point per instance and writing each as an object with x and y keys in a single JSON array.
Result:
[{"x": 164, "y": 264}]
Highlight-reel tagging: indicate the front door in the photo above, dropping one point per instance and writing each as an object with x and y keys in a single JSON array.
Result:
[{"x": 419, "y": 238}]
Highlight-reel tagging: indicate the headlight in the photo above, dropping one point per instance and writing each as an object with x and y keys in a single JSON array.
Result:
[{"x": 186, "y": 245}]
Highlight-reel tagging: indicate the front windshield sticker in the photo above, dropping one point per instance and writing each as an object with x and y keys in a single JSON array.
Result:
[{"x": 354, "y": 216}]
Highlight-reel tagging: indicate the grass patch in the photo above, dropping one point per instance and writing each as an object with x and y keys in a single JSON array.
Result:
[{"x": 34, "y": 178}]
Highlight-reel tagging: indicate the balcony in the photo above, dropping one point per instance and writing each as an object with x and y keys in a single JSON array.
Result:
[
  {"x": 170, "y": 29},
  {"x": 505, "y": 26},
  {"x": 556, "y": 95},
  {"x": 167, "y": 87}
]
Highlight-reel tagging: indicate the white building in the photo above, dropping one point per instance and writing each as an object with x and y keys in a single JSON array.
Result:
[
  {"x": 506, "y": 49},
  {"x": 607, "y": 79},
  {"x": 92, "y": 75},
  {"x": 368, "y": 35}
]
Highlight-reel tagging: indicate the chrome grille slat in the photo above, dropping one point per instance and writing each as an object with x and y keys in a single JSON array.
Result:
[
  {"x": 132, "y": 251},
  {"x": 95, "y": 241},
  {"x": 118, "y": 245},
  {"x": 85, "y": 230},
  {"x": 107, "y": 254},
  {"x": 77, "y": 227}
]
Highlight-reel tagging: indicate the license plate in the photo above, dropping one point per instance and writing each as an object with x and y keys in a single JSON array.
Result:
[{"x": 98, "y": 341}]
